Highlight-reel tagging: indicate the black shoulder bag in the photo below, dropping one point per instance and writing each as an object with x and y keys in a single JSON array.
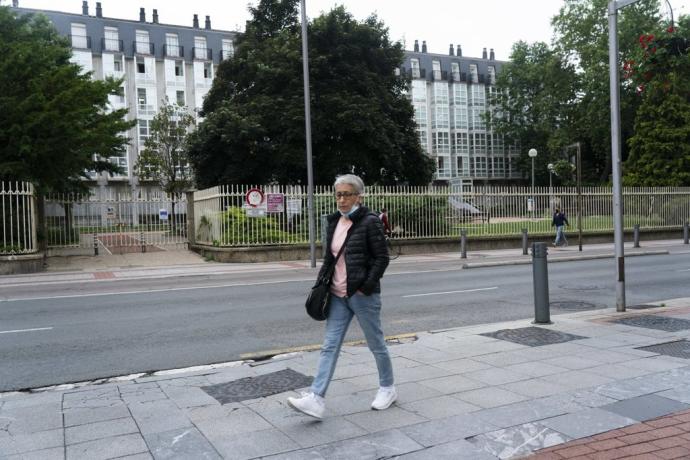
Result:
[{"x": 320, "y": 294}]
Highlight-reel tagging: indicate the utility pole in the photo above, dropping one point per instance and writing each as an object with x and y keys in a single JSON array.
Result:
[{"x": 307, "y": 127}]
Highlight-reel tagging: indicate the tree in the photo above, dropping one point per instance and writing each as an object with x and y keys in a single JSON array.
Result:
[
  {"x": 164, "y": 158},
  {"x": 362, "y": 121},
  {"x": 535, "y": 103},
  {"x": 55, "y": 123},
  {"x": 660, "y": 147},
  {"x": 581, "y": 35}
]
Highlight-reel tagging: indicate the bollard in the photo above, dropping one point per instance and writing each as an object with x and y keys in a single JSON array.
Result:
[
  {"x": 685, "y": 233},
  {"x": 463, "y": 243},
  {"x": 636, "y": 236},
  {"x": 95, "y": 244},
  {"x": 143, "y": 243},
  {"x": 540, "y": 274},
  {"x": 524, "y": 241},
  {"x": 324, "y": 235}
]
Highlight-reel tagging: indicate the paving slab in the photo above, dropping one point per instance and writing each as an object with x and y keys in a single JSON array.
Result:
[
  {"x": 517, "y": 441},
  {"x": 586, "y": 422},
  {"x": 181, "y": 443},
  {"x": 105, "y": 448},
  {"x": 646, "y": 407},
  {"x": 446, "y": 430}
]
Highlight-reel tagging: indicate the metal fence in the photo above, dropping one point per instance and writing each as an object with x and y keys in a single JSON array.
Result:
[
  {"x": 429, "y": 212},
  {"x": 18, "y": 218},
  {"x": 114, "y": 222}
]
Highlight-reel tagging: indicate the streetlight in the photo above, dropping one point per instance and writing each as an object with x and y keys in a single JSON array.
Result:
[
  {"x": 307, "y": 127},
  {"x": 578, "y": 167},
  {"x": 532, "y": 154}
]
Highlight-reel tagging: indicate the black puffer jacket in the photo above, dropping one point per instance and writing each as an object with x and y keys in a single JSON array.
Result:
[{"x": 366, "y": 252}]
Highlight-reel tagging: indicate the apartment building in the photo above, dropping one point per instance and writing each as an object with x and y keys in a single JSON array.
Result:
[
  {"x": 157, "y": 61},
  {"x": 450, "y": 94}
]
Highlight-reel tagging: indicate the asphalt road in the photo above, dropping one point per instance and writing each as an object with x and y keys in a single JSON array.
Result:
[{"x": 70, "y": 332}]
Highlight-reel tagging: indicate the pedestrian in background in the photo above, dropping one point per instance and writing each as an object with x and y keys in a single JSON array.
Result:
[
  {"x": 355, "y": 291},
  {"x": 560, "y": 221},
  {"x": 384, "y": 220}
]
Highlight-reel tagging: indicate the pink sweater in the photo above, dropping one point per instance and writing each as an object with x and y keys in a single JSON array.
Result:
[{"x": 339, "y": 284}]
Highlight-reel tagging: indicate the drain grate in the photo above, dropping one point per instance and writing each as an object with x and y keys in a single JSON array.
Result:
[
  {"x": 661, "y": 323},
  {"x": 572, "y": 305},
  {"x": 258, "y": 387},
  {"x": 533, "y": 336},
  {"x": 677, "y": 349}
]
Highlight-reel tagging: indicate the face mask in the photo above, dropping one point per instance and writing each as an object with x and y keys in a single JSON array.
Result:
[{"x": 349, "y": 213}]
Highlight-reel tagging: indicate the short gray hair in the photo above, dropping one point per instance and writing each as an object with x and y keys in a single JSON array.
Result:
[{"x": 350, "y": 179}]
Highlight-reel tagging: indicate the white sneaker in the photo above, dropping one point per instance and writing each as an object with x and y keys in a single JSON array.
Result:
[
  {"x": 310, "y": 404},
  {"x": 384, "y": 398}
]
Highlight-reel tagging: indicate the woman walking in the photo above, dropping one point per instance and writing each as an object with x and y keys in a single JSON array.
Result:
[{"x": 355, "y": 290}]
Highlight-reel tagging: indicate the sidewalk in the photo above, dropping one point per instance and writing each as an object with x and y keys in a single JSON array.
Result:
[{"x": 492, "y": 391}]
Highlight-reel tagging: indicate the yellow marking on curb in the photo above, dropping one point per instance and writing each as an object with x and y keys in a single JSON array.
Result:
[{"x": 282, "y": 351}]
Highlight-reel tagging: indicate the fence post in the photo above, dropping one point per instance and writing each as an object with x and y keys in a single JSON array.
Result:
[
  {"x": 686, "y": 233},
  {"x": 324, "y": 236},
  {"x": 636, "y": 236},
  {"x": 463, "y": 243},
  {"x": 191, "y": 226},
  {"x": 540, "y": 275},
  {"x": 524, "y": 241}
]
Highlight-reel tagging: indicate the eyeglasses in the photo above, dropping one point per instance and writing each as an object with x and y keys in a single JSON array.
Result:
[{"x": 345, "y": 194}]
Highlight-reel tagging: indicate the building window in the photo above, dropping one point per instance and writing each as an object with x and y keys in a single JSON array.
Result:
[
  {"x": 117, "y": 65},
  {"x": 179, "y": 68},
  {"x": 200, "y": 50},
  {"x": 79, "y": 38},
  {"x": 492, "y": 75},
  {"x": 180, "y": 98},
  {"x": 208, "y": 70},
  {"x": 441, "y": 164},
  {"x": 460, "y": 117},
  {"x": 437, "y": 69},
  {"x": 455, "y": 70},
  {"x": 172, "y": 45},
  {"x": 142, "y": 44},
  {"x": 479, "y": 166},
  {"x": 414, "y": 64},
  {"x": 143, "y": 131},
  {"x": 478, "y": 96},
  {"x": 418, "y": 91},
  {"x": 474, "y": 75},
  {"x": 462, "y": 143},
  {"x": 463, "y": 166},
  {"x": 477, "y": 119},
  {"x": 460, "y": 94},
  {"x": 141, "y": 66},
  {"x": 121, "y": 162},
  {"x": 228, "y": 49},
  {"x": 479, "y": 143},
  {"x": 440, "y": 142},
  {"x": 499, "y": 167},
  {"x": 423, "y": 140},
  {"x": 420, "y": 115},
  {"x": 120, "y": 95},
  {"x": 111, "y": 40}
]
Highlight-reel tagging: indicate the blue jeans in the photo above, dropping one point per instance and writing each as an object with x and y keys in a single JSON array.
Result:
[
  {"x": 560, "y": 235},
  {"x": 367, "y": 309}
]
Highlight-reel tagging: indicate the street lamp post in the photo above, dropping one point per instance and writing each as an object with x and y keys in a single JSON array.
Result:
[
  {"x": 551, "y": 200},
  {"x": 307, "y": 127},
  {"x": 532, "y": 154},
  {"x": 578, "y": 167}
]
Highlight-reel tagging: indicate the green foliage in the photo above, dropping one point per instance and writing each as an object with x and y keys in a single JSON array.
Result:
[
  {"x": 362, "y": 120},
  {"x": 164, "y": 158},
  {"x": 660, "y": 148},
  {"x": 53, "y": 118},
  {"x": 255, "y": 230}
]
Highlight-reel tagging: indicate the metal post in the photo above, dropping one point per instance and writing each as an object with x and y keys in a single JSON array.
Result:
[
  {"x": 579, "y": 197},
  {"x": 324, "y": 235},
  {"x": 540, "y": 275},
  {"x": 307, "y": 127},
  {"x": 463, "y": 243},
  {"x": 95, "y": 244},
  {"x": 685, "y": 233},
  {"x": 524, "y": 241},
  {"x": 534, "y": 206},
  {"x": 615, "y": 154},
  {"x": 143, "y": 242},
  {"x": 636, "y": 236}
]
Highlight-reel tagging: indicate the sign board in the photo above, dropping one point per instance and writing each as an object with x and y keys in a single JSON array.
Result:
[
  {"x": 163, "y": 214},
  {"x": 294, "y": 206},
  {"x": 255, "y": 212},
  {"x": 110, "y": 213},
  {"x": 254, "y": 197},
  {"x": 530, "y": 204},
  {"x": 275, "y": 202}
]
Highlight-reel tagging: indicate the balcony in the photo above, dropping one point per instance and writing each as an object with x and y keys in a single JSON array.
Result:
[
  {"x": 173, "y": 51},
  {"x": 143, "y": 47},
  {"x": 205, "y": 54},
  {"x": 80, "y": 42},
  {"x": 112, "y": 44}
]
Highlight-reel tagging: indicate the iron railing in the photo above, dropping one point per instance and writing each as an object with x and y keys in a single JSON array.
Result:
[
  {"x": 429, "y": 212},
  {"x": 18, "y": 218}
]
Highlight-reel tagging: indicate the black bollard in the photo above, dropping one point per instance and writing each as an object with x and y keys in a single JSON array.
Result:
[
  {"x": 95, "y": 244},
  {"x": 540, "y": 274},
  {"x": 463, "y": 243},
  {"x": 143, "y": 242},
  {"x": 524, "y": 241},
  {"x": 636, "y": 236}
]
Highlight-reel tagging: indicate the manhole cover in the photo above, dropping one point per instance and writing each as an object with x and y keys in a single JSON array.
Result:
[
  {"x": 580, "y": 287},
  {"x": 662, "y": 323},
  {"x": 258, "y": 387},
  {"x": 533, "y": 336},
  {"x": 642, "y": 307},
  {"x": 572, "y": 305},
  {"x": 677, "y": 349}
]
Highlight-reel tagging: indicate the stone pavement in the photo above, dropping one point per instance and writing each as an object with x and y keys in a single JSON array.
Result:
[{"x": 492, "y": 391}]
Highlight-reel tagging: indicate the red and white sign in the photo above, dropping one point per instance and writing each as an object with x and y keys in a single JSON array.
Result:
[{"x": 254, "y": 197}]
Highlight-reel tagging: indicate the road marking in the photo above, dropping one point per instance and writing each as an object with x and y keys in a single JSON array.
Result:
[
  {"x": 26, "y": 330},
  {"x": 451, "y": 292}
]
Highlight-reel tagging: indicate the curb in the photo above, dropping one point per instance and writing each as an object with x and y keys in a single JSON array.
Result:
[{"x": 561, "y": 259}]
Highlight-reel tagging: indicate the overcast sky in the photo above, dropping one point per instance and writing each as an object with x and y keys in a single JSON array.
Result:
[{"x": 472, "y": 24}]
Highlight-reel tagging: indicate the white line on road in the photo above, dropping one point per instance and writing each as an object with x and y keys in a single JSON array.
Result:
[
  {"x": 27, "y": 330},
  {"x": 451, "y": 292}
]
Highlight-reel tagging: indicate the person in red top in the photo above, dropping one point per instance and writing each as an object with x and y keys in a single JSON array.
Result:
[{"x": 384, "y": 219}]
